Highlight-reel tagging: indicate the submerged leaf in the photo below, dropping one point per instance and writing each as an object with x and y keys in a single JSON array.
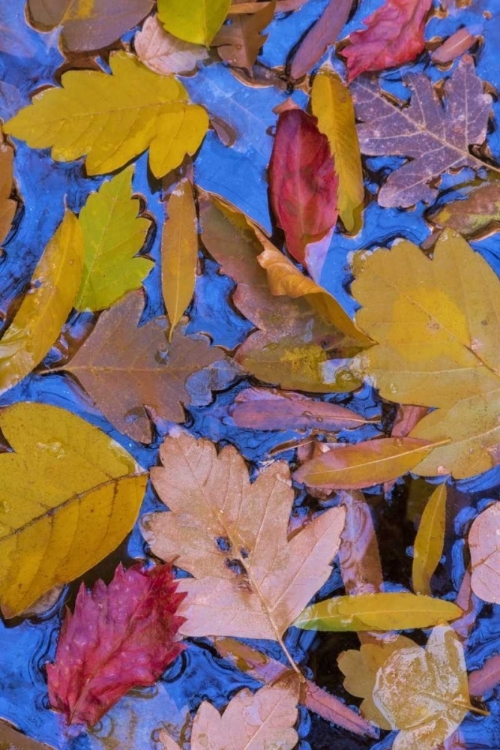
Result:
[
  {"x": 428, "y": 548},
  {"x": 11, "y": 739},
  {"x": 484, "y": 545},
  {"x": 239, "y": 42},
  {"x": 197, "y": 21},
  {"x": 478, "y": 211},
  {"x": 164, "y": 53}
]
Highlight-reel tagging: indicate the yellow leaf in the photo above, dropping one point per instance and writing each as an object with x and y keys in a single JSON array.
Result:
[
  {"x": 429, "y": 541},
  {"x": 46, "y": 305},
  {"x": 179, "y": 253},
  {"x": 398, "y": 611},
  {"x": 197, "y": 21},
  {"x": 111, "y": 119},
  {"x": 69, "y": 495},
  {"x": 113, "y": 234},
  {"x": 332, "y": 105}
]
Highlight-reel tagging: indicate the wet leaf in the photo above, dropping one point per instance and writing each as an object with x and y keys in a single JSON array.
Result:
[
  {"x": 239, "y": 42},
  {"x": 484, "y": 545},
  {"x": 428, "y": 548},
  {"x": 485, "y": 679},
  {"x": 111, "y": 119},
  {"x": 196, "y": 22},
  {"x": 359, "y": 557},
  {"x": 11, "y": 739},
  {"x": 113, "y": 234},
  {"x": 7, "y": 205},
  {"x": 88, "y": 25},
  {"x": 165, "y": 53},
  {"x": 332, "y": 105},
  {"x": 399, "y": 611},
  {"x": 260, "y": 721},
  {"x": 135, "y": 373},
  {"x": 46, "y": 305},
  {"x": 302, "y": 181},
  {"x": 435, "y": 138},
  {"x": 394, "y": 35},
  {"x": 319, "y": 37},
  {"x": 478, "y": 211},
  {"x": 359, "y": 465},
  {"x": 453, "y": 47},
  {"x": 407, "y": 417},
  {"x": 68, "y": 498},
  {"x": 119, "y": 636},
  {"x": 249, "y": 579}
]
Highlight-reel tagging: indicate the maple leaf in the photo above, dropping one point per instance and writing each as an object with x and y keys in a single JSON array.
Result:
[
  {"x": 111, "y": 119},
  {"x": 470, "y": 216},
  {"x": 395, "y": 35},
  {"x": 132, "y": 372},
  {"x": 197, "y": 22},
  {"x": 163, "y": 52},
  {"x": 249, "y": 579},
  {"x": 485, "y": 554},
  {"x": 7, "y": 205},
  {"x": 239, "y": 42},
  {"x": 118, "y": 637},
  {"x": 435, "y": 137}
]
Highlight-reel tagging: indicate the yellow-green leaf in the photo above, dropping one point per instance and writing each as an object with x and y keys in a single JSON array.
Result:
[
  {"x": 197, "y": 21},
  {"x": 111, "y": 119},
  {"x": 429, "y": 541},
  {"x": 69, "y": 496},
  {"x": 398, "y": 611},
  {"x": 179, "y": 253},
  {"x": 113, "y": 234},
  {"x": 45, "y": 307},
  {"x": 333, "y": 106}
]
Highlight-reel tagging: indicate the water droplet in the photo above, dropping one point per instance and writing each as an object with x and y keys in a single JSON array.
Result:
[{"x": 162, "y": 356}]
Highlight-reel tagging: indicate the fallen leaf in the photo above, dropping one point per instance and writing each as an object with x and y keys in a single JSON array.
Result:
[
  {"x": 435, "y": 138},
  {"x": 320, "y": 36},
  {"x": 179, "y": 253},
  {"x": 359, "y": 557},
  {"x": 45, "y": 307},
  {"x": 332, "y": 104},
  {"x": 484, "y": 548},
  {"x": 251, "y": 721},
  {"x": 359, "y": 465},
  {"x": 77, "y": 495},
  {"x": 164, "y": 53},
  {"x": 302, "y": 181},
  {"x": 249, "y": 579},
  {"x": 453, "y": 47},
  {"x": 394, "y": 35},
  {"x": 12, "y": 739},
  {"x": 479, "y": 210},
  {"x": 239, "y": 42},
  {"x": 197, "y": 22},
  {"x": 119, "y": 636},
  {"x": 111, "y": 119},
  {"x": 88, "y": 25},
  {"x": 437, "y": 329},
  {"x": 133, "y": 373},
  {"x": 7, "y": 205},
  {"x": 428, "y": 548},
  {"x": 481, "y": 681},
  {"x": 113, "y": 234},
  {"x": 407, "y": 417},
  {"x": 470, "y": 604}
]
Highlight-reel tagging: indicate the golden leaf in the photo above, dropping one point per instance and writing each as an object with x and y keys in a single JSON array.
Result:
[
  {"x": 429, "y": 541},
  {"x": 197, "y": 21}
]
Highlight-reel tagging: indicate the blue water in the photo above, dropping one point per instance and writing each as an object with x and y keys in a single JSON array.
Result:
[{"x": 239, "y": 174}]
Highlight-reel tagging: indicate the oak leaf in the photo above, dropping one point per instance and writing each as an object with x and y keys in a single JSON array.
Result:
[
  {"x": 119, "y": 636},
  {"x": 429, "y": 542},
  {"x": 69, "y": 496},
  {"x": 484, "y": 548},
  {"x": 239, "y": 42},
  {"x": 249, "y": 579},
  {"x": 7, "y": 205},
  {"x": 198, "y": 22},
  {"x": 435, "y": 137},
  {"x": 479, "y": 210},
  {"x": 133, "y": 372},
  {"x": 111, "y": 119},
  {"x": 164, "y": 53}
]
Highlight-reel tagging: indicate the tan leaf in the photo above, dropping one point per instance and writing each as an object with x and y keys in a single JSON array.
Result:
[
  {"x": 484, "y": 545},
  {"x": 11, "y": 739},
  {"x": 239, "y": 42},
  {"x": 359, "y": 557},
  {"x": 165, "y": 53}
]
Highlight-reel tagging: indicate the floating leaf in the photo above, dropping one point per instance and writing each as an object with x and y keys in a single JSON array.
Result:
[
  {"x": 428, "y": 548},
  {"x": 38, "y": 322},
  {"x": 113, "y": 234},
  {"x": 249, "y": 579},
  {"x": 164, "y": 53},
  {"x": 119, "y": 636},
  {"x": 197, "y": 22},
  {"x": 435, "y": 138},
  {"x": 133, "y": 373},
  {"x": 484, "y": 545},
  {"x": 7, "y": 205},
  {"x": 11, "y": 739},
  {"x": 399, "y": 611},
  {"x": 239, "y": 42},
  {"x": 111, "y": 119},
  {"x": 453, "y": 47},
  {"x": 323, "y": 33},
  {"x": 478, "y": 211},
  {"x": 77, "y": 494}
]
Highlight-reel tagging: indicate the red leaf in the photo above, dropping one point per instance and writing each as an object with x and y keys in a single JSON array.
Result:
[
  {"x": 395, "y": 35},
  {"x": 302, "y": 181},
  {"x": 119, "y": 636}
]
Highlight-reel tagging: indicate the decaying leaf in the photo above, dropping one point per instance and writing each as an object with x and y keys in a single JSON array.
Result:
[
  {"x": 359, "y": 557},
  {"x": 7, "y": 205},
  {"x": 428, "y": 548},
  {"x": 484, "y": 545},
  {"x": 133, "y": 373},
  {"x": 435, "y": 137},
  {"x": 111, "y": 119},
  {"x": 260, "y": 721},
  {"x": 196, "y": 22},
  {"x": 43, "y": 311},
  {"x": 479, "y": 210},
  {"x": 239, "y": 42},
  {"x": 165, "y": 53},
  {"x": 69, "y": 496},
  {"x": 323, "y": 33},
  {"x": 394, "y": 35},
  {"x": 88, "y": 25},
  {"x": 249, "y": 579},
  {"x": 113, "y": 234},
  {"x": 119, "y": 636}
]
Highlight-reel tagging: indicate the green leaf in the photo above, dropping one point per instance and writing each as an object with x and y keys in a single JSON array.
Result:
[{"x": 197, "y": 21}]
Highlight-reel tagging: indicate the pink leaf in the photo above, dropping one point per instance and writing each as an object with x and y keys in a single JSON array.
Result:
[
  {"x": 485, "y": 679},
  {"x": 119, "y": 636}
]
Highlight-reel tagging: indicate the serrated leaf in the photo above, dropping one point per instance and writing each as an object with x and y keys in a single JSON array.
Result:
[
  {"x": 484, "y": 548},
  {"x": 69, "y": 496},
  {"x": 428, "y": 548},
  {"x": 197, "y": 22},
  {"x": 478, "y": 211},
  {"x": 45, "y": 307},
  {"x": 113, "y": 234},
  {"x": 111, "y": 119},
  {"x": 164, "y": 53}
]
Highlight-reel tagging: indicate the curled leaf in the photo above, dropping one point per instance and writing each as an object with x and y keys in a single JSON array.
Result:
[{"x": 164, "y": 53}]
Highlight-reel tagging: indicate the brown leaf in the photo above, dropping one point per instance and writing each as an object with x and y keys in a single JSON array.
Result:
[
  {"x": 239, "y": 42},
  {"x": 249, "y": 579},
  {"x": 484, "y": 545},
  {"x": 12, "y": 739},
  {"x": 132, "y": 372},
  {"x": 320, "y": 36},
  {"x": 165, "y": 53},
  {"x": 359, "y": 558},
  {"x": 7, "y": 205},
  {"x": 479, "y": 211}
]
